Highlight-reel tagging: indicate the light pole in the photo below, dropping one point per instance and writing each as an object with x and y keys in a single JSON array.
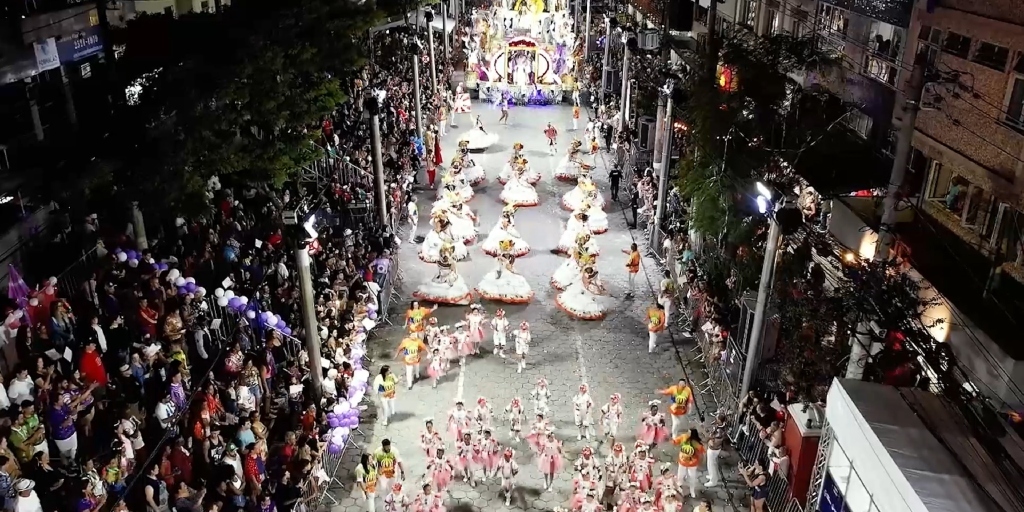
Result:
[
  {"x": 666, "y": 159},
  {"x": 607, "y": 51},
  {"x": 309, "y": 322},
  {"x": 433, "y": 64},
  {"x": 417, "y": 53},
  {"x": 444, "y": 29},
  {"x": 373, "y": 105},
  {"x": 586, "y": 34},
  {"x": 628, "y": 40},
  {"x": 770, "y": 207}
]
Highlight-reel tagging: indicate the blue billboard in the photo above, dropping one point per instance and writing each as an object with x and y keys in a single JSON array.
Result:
[
  {"x": 832, "y": 499},
  {"x": 80, "y": 45}
]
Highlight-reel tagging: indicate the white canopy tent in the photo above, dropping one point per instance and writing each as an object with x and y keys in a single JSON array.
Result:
[
  {"x": 899, "y": 464},
  {"x": 417, "y": 17}
]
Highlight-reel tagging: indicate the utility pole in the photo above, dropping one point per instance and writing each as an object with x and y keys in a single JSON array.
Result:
[
  {"x": 444, "y": 30},
  {"x": 764, "y": 289},
  {"x": 309, "y": 322},
  {"x": 374, "y": 107},
  {"x": 624, "y": 101},
  {"x": 913, "y": 92},
  {"x": 139, "y": 227},
  {"x": 659, "y": 126},
  {"x": 604, "y": 65},
  {"x": 417, "y": 54},
  {"x": 712, "y": 44},
  {"x": 586, "y": 34},
  {"x": 666, "y": 161},
  {"x": 433, "y": 64}
]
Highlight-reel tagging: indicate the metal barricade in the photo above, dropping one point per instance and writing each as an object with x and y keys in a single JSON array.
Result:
[{"x": 71, "y": 279}]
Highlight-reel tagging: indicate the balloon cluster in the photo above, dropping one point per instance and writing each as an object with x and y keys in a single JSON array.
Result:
[
  {"x": 132, "y": 258},
  {"x": 345, "y": 415},
  {"x": 13, "y": 320}
]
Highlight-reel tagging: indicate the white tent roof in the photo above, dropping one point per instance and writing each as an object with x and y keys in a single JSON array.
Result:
[
  {"x": 396, "y": 21},
  {"x": 902, "y": 466}
]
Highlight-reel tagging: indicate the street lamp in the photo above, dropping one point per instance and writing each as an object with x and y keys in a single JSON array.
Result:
[
  {"x": 416, "y": 49},
  {"x": 609, "y": 23},
  {"x": 629, "y": 44},
  {"x": 769, "y": 204},
  {"x": 666, "y": 159},
  {"x": 429, "y": 17},
  {"x": 374, "y": 103}
]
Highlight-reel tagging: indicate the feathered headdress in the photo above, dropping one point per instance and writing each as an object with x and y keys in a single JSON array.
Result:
[
  {"x": 463, "y": 144},
  {"x": 509, "y": 209},
  {"x": 582, "y": 237},
  {"x": 505, "y": 245},
  {"x": 576, "y": 144},
  {"x": 587, "y": 185},
  {"x": 448, "y": 248},
  {"x": 518, "y": 146}
]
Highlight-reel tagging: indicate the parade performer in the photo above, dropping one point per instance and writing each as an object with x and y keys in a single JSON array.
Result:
[
  {"x": 611, "y": 416},
  {"x": 447, "y": 287},
  {"x": 499, "y": 330},
  {"x": 590, "y": 503},
  {"x": 428, "y": 500},
  {"x": 632, "y": 267},
  {"x": 582, "y": 407},
  {"x": 646, "y": 504},
  {"x": 655, "y": 326},
  {"x": 538, "y": 431},
  {"x": 550, "y": 459},
  {"x": 576, "y": 226},
  {"x": 572, "y": 164},
  {"x": 463, "y": 220},
  {"x": 584, "y": 299},
  {"x": 641, "y": 467},
  {"x": 514, "y": 415},
  {"x": 416, "y": 316},
  {"x": 596, "y": 217},
  {"x": 475, "y": 326},
  {"x": 670, "y": 503},
  {"x": 532, "y": 176},
  {"x": 388, "y": 464},
  {"x": 585, "y": 190},
  {"x": 474, "y": 173},
  {"x": 385, "y": 384},
  {"x": 459, "y": 421},
  {"x": 396, "y": 500},
  {"x": 552, "y": 135},
  {"x": 413, "y": 218},
  {"x": 503, "y": 284},
  {"x": 367, "y": 478},
  {"x": 430, "y": 249},
  {"x": 437, "y": 367},
  {"x": 571, "y": 270},
  {"x": 690, "y": 452},
  {"x": 652, "y": 426},
  {"x": 523, "y": 339},
  {"x": 587, "y": 462},
  {"x": 411, "y": 351},
  {"x": 482, "y": 415},
  {"x": 460, "y": 338},
  {"x": 453, "y": 180},
  {"x": 583, "y": 484},
  {"x": 630, "y": 499},
  {"x": 432, "y": 332},
  {"x": 491, "y": 450},
  {"x": 466, "y": 463},
  {"x": 430, "y": 439},
  {"x": 667, "y": 294},
  {"x": 505, "y": 230},
  {"x": 508, "y": 469},
  {"x": 615, "y": 473},
  {"x": 477, "y": 138},
  {"x": 447, "y": 345},
  {"x": 518, "y": 191},
  {"x": 664, "y": 484},
  {"x": 540, "y": 395},
  {"x": 440, "y": 469},
  {"x": 681, "y": 396}
]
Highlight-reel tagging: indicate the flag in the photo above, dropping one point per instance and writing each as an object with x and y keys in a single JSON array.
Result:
[
  {"x": 462, "y": 103},
  {"x": 17, "y": 290}
]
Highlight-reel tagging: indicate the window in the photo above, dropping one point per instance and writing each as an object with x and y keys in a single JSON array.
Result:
[
  {"x": 205, "y": 6},
  {"x": 774, "y": 22},
  {"x": 940, "y": 178},
  {"x": 1015, "y": 104},
  {"x": 992, "y": 56},
  {"x": 957, "y": 44},
  {"x": 980, "y": 211},
  {"x": 748, "y": 13},
  {"x": 885, "y": 43},
  {"x": 859, "y": 122},
  {"x": 833, "y": 19},
  {"x": 929, "y": 41}
]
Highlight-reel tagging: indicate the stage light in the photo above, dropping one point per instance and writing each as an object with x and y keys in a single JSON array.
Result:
[
  {"x": 849, "y": 257},
  {"x": 762, "y": 204},
  {"x": 764, "y": 190}
]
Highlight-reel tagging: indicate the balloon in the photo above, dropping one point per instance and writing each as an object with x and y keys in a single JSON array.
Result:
[
  {"x": 286, "y": 330},
  {"x": 190, "y": 280},
  {"x": 244, "y": 299},
  {"x": 265, "y": 315},
  {"x": 250, "y": 314},
  {"x": 161, "y": 266},
  {"x": 19, "y": 314},
  {"x": 271, "y": 320},
  {"x": 132, "y": 255},
  {"x": 219, "y": 292},
  {"x": 118, "y": 250},
  {"x": 334, "y": 422},
  {"x": 14, "y": 324},
  {"x": 182, "y": 290},
  {"x": 362, "y": 375},
  {"x": 179, "y": 281},
  {"x": 337, "y": 409},
  {"x": 222, "y": 302},
  {"x": 334, "y": 449},
  {"x": 33, "y": 302},
  {"x": 122, "y": 257},
  {"x": 343, "y": 432},
  {"x": 200, "y": 290},
  {"x": 352, "y": 413},
  {"x": 353, "y": 402},
  {"x": 341, "y": 408},
  {"x": 229, "y": 294},
  {"x": 280, "y": 323},
  {"x": 234, "y": 302},
  {"x": 133, "y": 263},
  {"x": 372, "y": 315},
  {"x": 191, "y": 287},
  {"x": 331, "y": 415}
]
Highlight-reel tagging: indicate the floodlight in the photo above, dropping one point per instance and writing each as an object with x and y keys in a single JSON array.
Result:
[
  {"x": 764, "y": 190},
  {"x": 308, "y": 226},
  {"x": 762, "y": 204}
]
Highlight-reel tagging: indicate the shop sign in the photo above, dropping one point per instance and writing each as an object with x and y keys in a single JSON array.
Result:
[
  {"x": 832, "y": 499},
  {"x": 47, "y": 57},
  {"x": 80, "y": 45}
]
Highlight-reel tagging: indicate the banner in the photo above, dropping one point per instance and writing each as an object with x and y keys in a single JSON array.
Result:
[
  {"x": 80, "y": 45},
  {"x": 462, "y": 103},
  {"x": 46, "y": 55}
]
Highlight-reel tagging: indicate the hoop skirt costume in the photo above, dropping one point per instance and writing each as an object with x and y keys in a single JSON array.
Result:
[
  {"x": 570, "y": 271},
  {"x": 585, "y": 190},
  {"x": 462, "y": 219},
  {"x": 532, "y": 176},
  {"x": 476, "y": 138},
  {"x": 455, "y": 179},
  {"x": 474, "y": 173},
  {"x": 572, "y": 164},
  {"x": 503, "y": 284},
  {"x": 503, "y": 230},
  {"x": 578, "y": 223},
  {"x": 584, "y": 299},
  {"x": 518, "y": 191},
  {"x": 447, "y": 287},
  {"x": 430, "y": 249}
]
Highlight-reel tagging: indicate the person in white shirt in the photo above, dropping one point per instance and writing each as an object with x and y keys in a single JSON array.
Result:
[
  {"x": 5, "y": 401},
  {"x": 414, "y": 218},
  {"x": 165, "y": 412},
  {"x": 21, "y": 387},
  {"x": 26, "y": 500}
]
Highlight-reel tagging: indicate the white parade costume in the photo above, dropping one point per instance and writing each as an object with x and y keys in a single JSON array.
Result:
[
  {"x": 540, "y": 396},
  {"x": 499, "y": 328},
  {"x": 584, "y": 190},
  {"x": 430, "y": 249},
  {"x": 570, "y": 271},
  {"x": 507, "y": 470},
  {"x": 611, "y": 416},
  {"x": 508, "y": 170},
  {"x": 505, "y": 230},
  {"x": 523, "y": 339},
  {"x": 582, "y": 412},
  {"x": 454, "y": 179},
  {"x": 474, "y": 173},
  {"x": 476, "y": 138},
  {"x": 577, "y": 225},
  {"x": 597, "y": 219},
  {"x": 447, "y": 287},
  {"x": 503, "y": 284},
  {"x": 519, "y": 192},
  {"x": 462, "y": 219},
  {"x": 584, "y": 299},
  {"x": 571, "y": 165},
  {"x": 514, "y": 415}
]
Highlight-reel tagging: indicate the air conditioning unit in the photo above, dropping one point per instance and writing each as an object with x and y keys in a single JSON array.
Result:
[
  {"x": 648, "y": 39},
  {"x": 613, "y": 80},
  {"x": 646, "y": 128}
]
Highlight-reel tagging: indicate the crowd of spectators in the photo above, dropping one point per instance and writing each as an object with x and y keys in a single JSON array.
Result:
[{"x": 137, "y": 389}]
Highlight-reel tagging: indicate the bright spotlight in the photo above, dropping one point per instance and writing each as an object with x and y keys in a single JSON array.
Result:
[
  {"x": 762, "y": 204},
  {"x": 764, "y": 190}
]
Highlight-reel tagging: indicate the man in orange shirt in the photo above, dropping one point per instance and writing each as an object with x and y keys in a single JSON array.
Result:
[
  {"x": 416, "y": 317},
  {"x": 655, "y": 324},
  {"x": 681, "y": 396},
  {"x": 411, "y": 351},
  {"x": 690, "y": 452},
  {"x": 632, "y": 266}
]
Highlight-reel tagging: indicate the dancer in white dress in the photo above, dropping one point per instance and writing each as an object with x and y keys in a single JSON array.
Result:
[
  {"x": 477, "y": 138},
  {"x": 474, "y": 173},
  {"x": 504, "y": 230},
  {"x": 518, "y": 191},
  {"x": 597, "y": 219},
  {"x": 463, "y": 220},
  {"x": 447, "y": 287},
  {"x": 577, "y": 224},
  {"x": 523, "y": 339},
  {"x": 570, "y": 271},
  {"x": 572, "y": 163},
  {"x": 430, "y": 249},
  {"x": 585, "y": 190},
  {"x": 532, "y": 176},
  {"x": 585, "y": 299},
  {"x": 455, "y": 179},
  {"x": 503, "y": 284}
]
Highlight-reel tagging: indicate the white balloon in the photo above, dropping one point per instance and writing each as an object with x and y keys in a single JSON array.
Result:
[
  {"x": 33, "y": 302},
  {"x": 19, "y": 313},
  {"x": 271, "y": 320},
  {"x": 229, "y": 294},
  {"x": 338, "y": 409},
  {"x": 190, "y": 280},
  {"x": 180, "y": 281},
  {"x": 172, "y": 274},
  {"x": 133, "y": 263},
  {"x": 245, "y": 300},
  {"x": 200, "y": 291},
  {"x": 250, "y": 314},
  {"x": 222, "y": 302},
  {"x": 122, "y": 257},
  {"x": 341, "y": 408},
  {"x": 362, "y": 375},
  {"x": 219, "y": 292}
]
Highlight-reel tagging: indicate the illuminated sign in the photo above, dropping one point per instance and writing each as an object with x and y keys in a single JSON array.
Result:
[
  {"x": 726, "y": 78},
  {"x": 80, "y": 45}
]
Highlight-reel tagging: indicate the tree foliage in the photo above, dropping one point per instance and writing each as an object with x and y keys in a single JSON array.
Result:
[{"x": 238, "y": 94}]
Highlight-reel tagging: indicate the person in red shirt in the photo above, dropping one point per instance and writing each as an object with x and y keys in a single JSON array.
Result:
[
  {"x": 255, "y": 465},
  {"x": 147, "y": 318},
  {"x": 275, "y": 239},
  {"x": 91, "y": 365}
]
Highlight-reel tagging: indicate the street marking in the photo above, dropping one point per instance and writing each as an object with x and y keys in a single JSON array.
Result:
[{"x": 460, "y": 384}]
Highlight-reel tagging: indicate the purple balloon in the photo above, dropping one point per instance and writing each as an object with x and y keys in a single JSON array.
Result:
[
  {"x": 334, "y": 449},
  {"x": 182, "y": 290},
  {"x": 331, "y": 415},
  {"x": 286, "y": 330},
  {"x": 372, "y": 314},
  {"x": 132, "y": 255},
  {"x": 234, "y": 302},
  {"x": 191, "y": 287},
  {"x": 161, "y": 266},
  {"x": 352, "y": 422},
  {"x": 353, "y": 413},
  {"x": 118, "y": 250},
  {"x": 264, "y": 316}
]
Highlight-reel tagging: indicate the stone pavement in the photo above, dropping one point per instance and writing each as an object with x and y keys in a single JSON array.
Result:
[{"x": 610, "y": 355}]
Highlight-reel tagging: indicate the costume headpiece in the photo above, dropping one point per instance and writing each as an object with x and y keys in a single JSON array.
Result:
[
  {"x": 428, "y": 420},
  {"x": 524, "y": 325},
  {"x": 509, "y": 209},
  {"x": 576, "y": 144},
  {"x": 460, "y": 325},
  {"x": 583, "y": 388},
  {"x": 653, "y": 403},
  {"x": 615, "y": 398},
  {"x": 499, "y": 312},
  {"x": 432, "y": 321},
  {"x": 448, "y": 248},
  {"x": 587, "y": 451},
  {"x": 396, "y": 487},
  {"x": 587, "y": 185},
  {"x": 640, "y": 446},
  {"x": 481, "y": 401},
  {"x": 509, "y": 453},
  {"x": 542, "y": 382},
  {"x": 582, "y": 237},
  {"x": 666, "y": 467},
  {"x": 518, "y": 146},
  {"x": 516, "y": 402},
  {"x": 505, "y": 244},
  {"x": 618, "y": 448},
  {"x": 463, "y": 144}
]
